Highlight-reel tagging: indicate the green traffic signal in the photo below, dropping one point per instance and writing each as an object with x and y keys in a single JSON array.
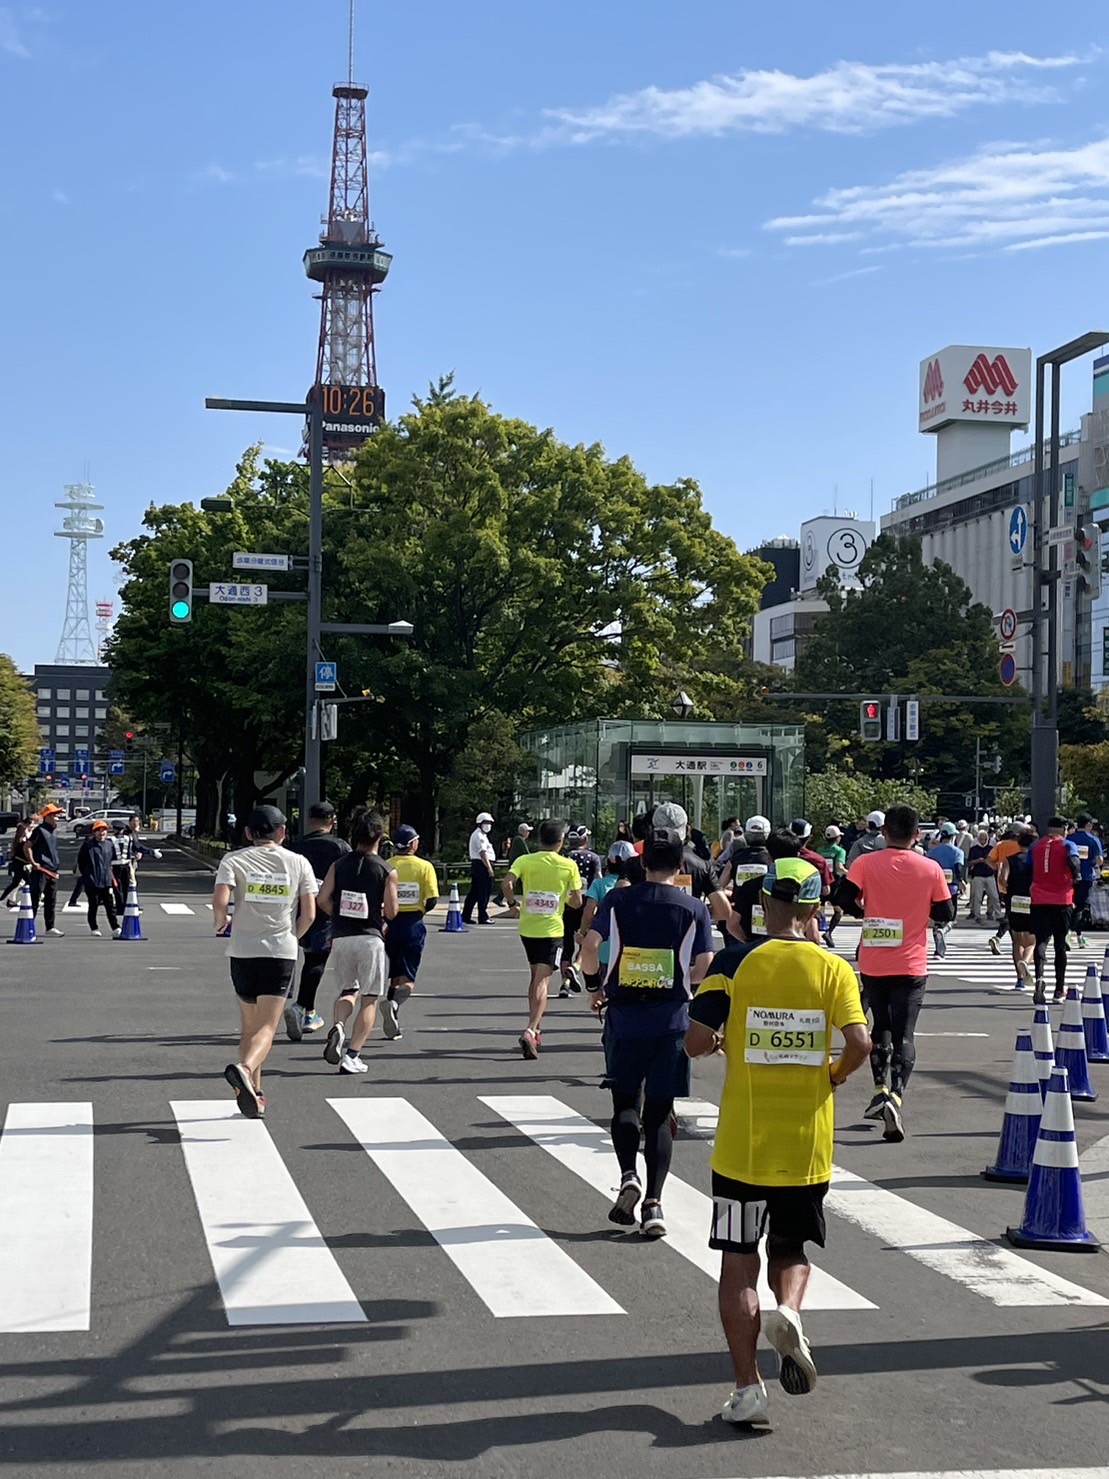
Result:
[
  {"x": 181, "y": 590},
  {"x": 180, "y": 610}
]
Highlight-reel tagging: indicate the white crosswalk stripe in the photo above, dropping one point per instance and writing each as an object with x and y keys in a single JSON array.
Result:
[
  {"x": 995, "y": 1273},
  {"x": 177, "y": 909}
]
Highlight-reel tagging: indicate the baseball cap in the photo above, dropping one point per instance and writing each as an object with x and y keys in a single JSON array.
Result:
[
  {"x": 878, "y": 819},
  {"x": 620, "y": 851},
  {"x": 263, "y": 821},
  {"x": 321, "y": 811},
  {"x": 670, "y": 814},
  {"x": 668, "y": 842},
  {"x": 792, "y": 880},
  {"x": 404, "y": 835},
  {"x": 832, "y": 832},
  {"x": 524, "y": 827},
  {"x": 483, "y": 816},
  {"x": 757, "y": 825},
  {"x": 50, "y": 810},
  {"x": 948, "y": 829},
  {"x": 100, "y": 826},
  {"x": 800, "y": 828},
  {"x": 575, "y": 834}
]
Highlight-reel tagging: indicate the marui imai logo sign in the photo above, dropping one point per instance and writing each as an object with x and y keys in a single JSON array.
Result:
[{"x": 996, "y": 382}]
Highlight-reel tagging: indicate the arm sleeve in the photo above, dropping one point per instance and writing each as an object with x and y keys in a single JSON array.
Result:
[
  {"x": 713, "y": 1002},
  {"x": 309, "y": 883},
  {"x": 575, "y": 879},
  {"x": 847, "y": 1008},
  {"x": 225, "y": 873},
  {"x": 702, "y": 941},
  {"x": 848, "y": 894}
]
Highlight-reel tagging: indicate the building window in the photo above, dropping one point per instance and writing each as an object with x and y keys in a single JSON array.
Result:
[
  {"x": 101, "y": 713},
  {"x": 46, "y": 693},
  {"x": 80, "y": 713},
  {"x": 81, "y": 731},
  {"x": 82, "y": 693},
  {"x": 62, "y": 693},
  {"x": 61, "y": 729},
  {"x": 781, "y": 626},
  {"x": 43, "y": 711},
  {"x": 62, "y": 714},
  {"x": 100, "y": 693}
]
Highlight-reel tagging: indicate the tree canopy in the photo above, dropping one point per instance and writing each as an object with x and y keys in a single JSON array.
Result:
[{"x": 19, "y": 730}]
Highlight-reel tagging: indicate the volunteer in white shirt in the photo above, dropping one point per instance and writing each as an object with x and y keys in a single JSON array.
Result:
[
  {"x": 274, "y": 905},
  {"x": 481, "y": 871}
]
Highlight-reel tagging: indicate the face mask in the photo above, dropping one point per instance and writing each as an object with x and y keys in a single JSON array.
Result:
[{"x": 485, "y": 826}]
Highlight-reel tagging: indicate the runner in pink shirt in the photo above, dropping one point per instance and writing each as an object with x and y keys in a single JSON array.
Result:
[{"x": 898, "y": 895}]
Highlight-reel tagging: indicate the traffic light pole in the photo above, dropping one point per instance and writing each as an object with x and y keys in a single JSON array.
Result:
[{"x": 312, "y": 740}]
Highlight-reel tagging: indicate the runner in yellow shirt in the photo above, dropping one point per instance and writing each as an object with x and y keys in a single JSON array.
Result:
[
  {"x": 770, "y": 1005},
  {"x": 547, "y": 883},
  {"x": 417, "y": 892}
]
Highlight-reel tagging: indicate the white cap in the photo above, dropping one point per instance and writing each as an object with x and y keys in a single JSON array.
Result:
[
  {"x": 832, "y": 832},
  {"x": 876, "y": 819},
  {"x": 670, "y": 814},
  {"x": 963, "y": 826},
  {"x": 483, "y": 816},
  {"x": 759, "y": 825}
]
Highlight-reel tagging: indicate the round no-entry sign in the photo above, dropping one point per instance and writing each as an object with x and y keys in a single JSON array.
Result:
[
  {"x": 1007, "y": 624},
  {"x": 1007, "y": 669}
]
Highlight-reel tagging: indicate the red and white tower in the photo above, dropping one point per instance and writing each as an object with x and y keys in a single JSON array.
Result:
[{"x": 350, "y": 265}]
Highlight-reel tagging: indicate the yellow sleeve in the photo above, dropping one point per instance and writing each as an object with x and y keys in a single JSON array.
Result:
[
  {"x": 847, "y": 1007},
  {"x": 431, "y": 882}
]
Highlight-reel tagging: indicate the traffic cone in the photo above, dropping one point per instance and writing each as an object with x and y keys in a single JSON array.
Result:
[
  {"x": 1043, "y": 1049},
  {"x": 132, "y": 924},
  {"x": 25, "y": 921},
  {"x": 454, "y": 925},
  {"x": 225, "y": 932},
  {"x": 1021, "y": 1125},
  {"x": 1093, "y": 1019},
  {"x": 1070, "y": 1049},
  {"x": 1054, "y": 1217}
]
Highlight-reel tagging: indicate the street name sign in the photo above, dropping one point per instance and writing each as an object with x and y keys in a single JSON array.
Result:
[{"x": 232, "y": 594}]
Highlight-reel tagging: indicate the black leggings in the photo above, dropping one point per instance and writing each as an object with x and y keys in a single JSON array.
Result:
[
  {"x": 1052, "y": 921},
  {"x": 310, "y": 976},
  {"x": 19, "y": 872},
  {"x": 658, "y": 1144},
  {"x": 895, "y": 1003}
]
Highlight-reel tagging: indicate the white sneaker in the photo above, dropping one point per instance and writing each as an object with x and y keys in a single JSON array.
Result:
[
  {"x": 60, "y": 933},
  {"x": 97, "y": 933},
  {"x": 117, "y": 934},
  {"x": 352, "y": 1063},
  {"x": 797, "y": 1372},
  {"x": 746, "y": 1405},
  {"x": 333, "y": 1047},
  {"x": 390, "y": 1020}
]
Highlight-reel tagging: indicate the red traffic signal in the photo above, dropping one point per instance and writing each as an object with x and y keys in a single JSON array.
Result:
[{"x": 870, "y": 720}]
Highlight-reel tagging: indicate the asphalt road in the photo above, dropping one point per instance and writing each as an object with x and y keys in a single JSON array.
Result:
[{"x": 529, "y": 1337}]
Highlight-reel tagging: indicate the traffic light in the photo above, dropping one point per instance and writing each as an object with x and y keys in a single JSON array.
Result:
[
  {"x": 180, "y": 591},
  {"x": 870, "y": 720},
  {"x": 1087, "y": 549},
  {"x": 129, "y": 741}
]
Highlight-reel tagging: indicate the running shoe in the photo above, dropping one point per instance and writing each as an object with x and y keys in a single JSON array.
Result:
[
  {"x": 333, "y": 1047},
  {"x": 97, "y": 933},
  {"x": 1082, "y": 942},
  {"x": 293, "y": 1021},
  {"x": 623, "y": 1208},
  {"x": 940, "y": 944},
  {"x": 995, "y": 948},
  {"x": 564, "y": 992},
  {"x": 746, "y": 1405},
  {"x": 873, "y": 1110},
  {"x": 246, "y": 1096},
  {"x": 895, "y": 1125},
  {"x": 575, "y": 983},
  {"x": 1039, "y": 996},
  {"x": 797, "y": 1370},
  {"x": 1072, "y": 940},
  {"x": 312, "y": 1022},
  {"x": 829, "y": 944},
  {"x": 1024, "y": 971},
  {"x": 60, "y": 933},
  {"x": 117, "y": 934},
  {"x": 352, "y": 1063},
  {"x": 1058, "y": 996},
  {"x": 653, "y": 1224},
  {"x": 261, "y": 1105},
  {"x": 390, "y": 1021},
  {"x": 529, "y": 1043}
]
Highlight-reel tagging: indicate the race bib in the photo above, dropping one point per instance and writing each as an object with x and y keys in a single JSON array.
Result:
[
  {"x": 748, "y": 871},
  {"x": 1020, "y": 904},
  {"x": 684, "y": 881},
  {"x": 758, "y": 919},
  {"x": 949, "y": 874},
  {"x": 265, "y": 888},
  {"x": 1083, "y": 853},
  {"x": 353, "y": 904},
  {"x": 538, "y": 901},
  {"x": 888, "y": 933},
  {"x": 408, "y": 893},
  {"x": 778, "y": 1035},
  {"x": 642, "y": 969}
]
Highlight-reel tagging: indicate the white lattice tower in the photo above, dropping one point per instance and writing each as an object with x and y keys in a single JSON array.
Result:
[{"x": 79, "y": 526}]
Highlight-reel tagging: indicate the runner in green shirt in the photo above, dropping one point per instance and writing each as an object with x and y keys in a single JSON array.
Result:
[
  {"x": 836, "y": 856},
  {"x": 547, "y": 883}
]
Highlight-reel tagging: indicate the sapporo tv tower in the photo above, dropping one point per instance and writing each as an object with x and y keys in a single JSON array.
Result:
[{"x": 350, "y": 265}]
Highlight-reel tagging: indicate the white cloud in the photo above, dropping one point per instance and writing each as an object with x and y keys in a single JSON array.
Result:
[
  {"x": 213, "y": 174},
  {"x": 1008, "y": 197},
  {"x": 849, "y": 97},
  {"x": 844, "y": 276},
  {"x": 823, "y": 238},
  {"x": 11, "y": 39}
]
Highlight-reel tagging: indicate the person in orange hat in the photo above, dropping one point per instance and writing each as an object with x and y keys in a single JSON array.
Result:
[
  {"x": 41, "y": 851},
  {"x": 94, "y": 863}
]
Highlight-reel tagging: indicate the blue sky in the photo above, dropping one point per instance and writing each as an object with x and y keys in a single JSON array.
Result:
[{"x": 717, "y": 237}]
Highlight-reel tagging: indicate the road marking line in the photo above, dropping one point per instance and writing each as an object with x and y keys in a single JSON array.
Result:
[
  {"x": 995, "y": 1273},
  {"x": 951, "y": 1034},
  {"x": 46, "y": 1217},
  {"x": 510, "y": 1263},
  {"x": 586, "y": 1150},
  {"x": 272, "y": 1265},
  {"x": 1094, "y": 1166},
  {"x": 74, "y": 909},
  {"x": 177, "y": 909},
  {"x": 1097, "y": 1472}
]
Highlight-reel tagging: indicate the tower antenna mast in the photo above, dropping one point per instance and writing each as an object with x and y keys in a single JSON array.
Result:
[{"x": 76, "y": 646}]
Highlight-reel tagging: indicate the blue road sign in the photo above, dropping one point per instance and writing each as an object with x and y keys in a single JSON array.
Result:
[
  {"x": 1018, "y": 529},
  {"x": 167, "y": 771},
  {"x": 1008, "y": 669},
  {"x": 63, "y": 783},
  {"x": 327, "y": 675},
  {"x": 46, "y": 761},
  {"x": 115, "y": 767},
  {"x": 79, "y": 768}
]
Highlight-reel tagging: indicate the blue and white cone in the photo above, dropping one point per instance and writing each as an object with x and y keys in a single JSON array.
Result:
[
  {"x": 1070, "y": 1049},
  {"x": 25, "y": 920},
  {"x": 1023, "y": 1108},
  {"x": 226, "y": 931},
  {"x": 1093, "y": 1019},
  {"x": 454, "y": 925},
  {"x": 1043, "y": 1048},
  {"x": 132, "y": 924},
  {"x": 1054, "y": 1217}
]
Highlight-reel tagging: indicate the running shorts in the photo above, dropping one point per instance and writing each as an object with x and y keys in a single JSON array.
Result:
[
  {"x": 261, "y": 975},
  {"x": 404, "y": 945},
  {"x": 358, "y": 964},
  {"x": 741, "y": 1213},
  {"x": 542, "y": 951},
  {"x": 656, "y": 1066}
]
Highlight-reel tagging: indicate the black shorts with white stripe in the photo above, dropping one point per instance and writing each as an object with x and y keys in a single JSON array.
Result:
[{"x": 741, "y": 1213}]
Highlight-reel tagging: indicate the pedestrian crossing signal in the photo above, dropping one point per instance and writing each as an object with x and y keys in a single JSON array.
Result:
[
  {"x": 870, "y": 720},
  {"x": 180, "y": 591}
]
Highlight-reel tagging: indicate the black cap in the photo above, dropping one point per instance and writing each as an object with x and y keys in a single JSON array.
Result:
[
  {"x": 264, "y": 821},
  {"x": 320, "y": 811}
]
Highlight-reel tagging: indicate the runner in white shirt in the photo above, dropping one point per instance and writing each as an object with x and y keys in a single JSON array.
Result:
[{"x": 274, "y": 905}]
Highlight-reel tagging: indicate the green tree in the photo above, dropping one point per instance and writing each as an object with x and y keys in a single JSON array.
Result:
[
  {"x": 842, "y": 796},
  {"x": 19, "y": 730},
  {"x": 914, "y": 628},
  {"x": 1082, "y": 721},
  {"x": 1086, "y": 770}
]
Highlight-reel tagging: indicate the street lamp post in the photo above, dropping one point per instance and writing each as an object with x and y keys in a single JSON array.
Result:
[{"x": 1045, "y": 654}]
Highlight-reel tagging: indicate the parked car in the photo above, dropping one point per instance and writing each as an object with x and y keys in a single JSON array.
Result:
[{"x": 117, "y": 821}]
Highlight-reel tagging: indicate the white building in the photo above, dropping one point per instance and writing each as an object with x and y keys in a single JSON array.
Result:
[{"x": 779, "y": 631}]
